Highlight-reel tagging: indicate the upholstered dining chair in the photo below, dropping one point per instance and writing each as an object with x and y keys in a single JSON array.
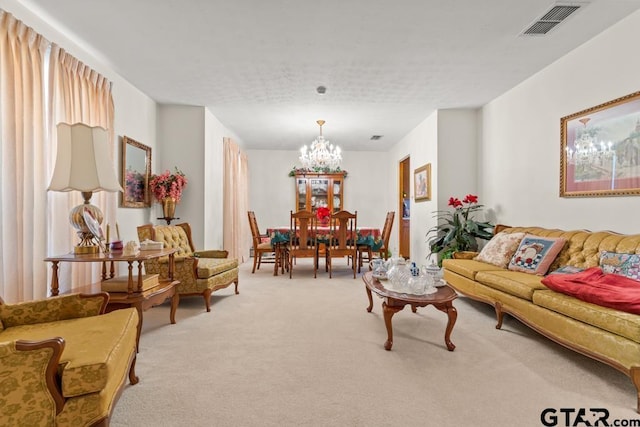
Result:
[
  {"x": 303, "y": 239},
  {"x": 259, "y": 247},
  {"x": 381, "y": 252},
  {"x": 342, "y": 238}
]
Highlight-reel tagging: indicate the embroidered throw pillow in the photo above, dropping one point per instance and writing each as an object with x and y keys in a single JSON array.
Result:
[
  {"x": 500, "y": 249},
  {"x": 535, "y": 254},
  {"x": 627, "y": 265},
  {"x": 567, "y": 269}
]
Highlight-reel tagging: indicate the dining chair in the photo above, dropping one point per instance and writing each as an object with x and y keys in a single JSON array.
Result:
[
  {"x": 259, "y": 247},
  {"x": 381, "y": 252},
  {"x": 303, "y": 239},
  {"x": 342, "y": 239}
]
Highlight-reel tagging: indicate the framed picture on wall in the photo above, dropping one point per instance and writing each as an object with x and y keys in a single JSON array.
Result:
[
  {"x": 422, "y": 183},
  {"x": 600, "y": 150}
]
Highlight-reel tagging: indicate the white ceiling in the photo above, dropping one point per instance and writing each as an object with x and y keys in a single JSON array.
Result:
[{"x": 386, "y": 64}]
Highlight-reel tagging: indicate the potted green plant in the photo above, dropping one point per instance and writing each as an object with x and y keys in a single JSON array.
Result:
[{"x": 458, "y": 230}]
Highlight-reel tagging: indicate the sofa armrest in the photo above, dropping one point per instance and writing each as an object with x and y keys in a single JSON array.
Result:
[
  {"x": 213, "y": 253},
  {"x": 465, "y": 255},
  {"x": 29, "y": 381},
  {"x": 52, "y": 309}
]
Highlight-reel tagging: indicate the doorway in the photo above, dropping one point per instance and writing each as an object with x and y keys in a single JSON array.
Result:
[{"x": 404, "y": 204}]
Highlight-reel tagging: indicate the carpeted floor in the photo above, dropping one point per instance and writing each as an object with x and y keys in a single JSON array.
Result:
[{"x": 304, "y": 352}]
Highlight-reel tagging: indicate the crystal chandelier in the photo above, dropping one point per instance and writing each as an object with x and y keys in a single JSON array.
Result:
[
  {"x": 322, "y": 155},
  {"x": 592, "y": 159}
]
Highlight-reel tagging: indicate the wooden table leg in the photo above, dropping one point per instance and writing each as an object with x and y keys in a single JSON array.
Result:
[
  {"x": 388, "y": 312},
  {"x": 452, "y": 315},
  {"x": 370, "y": 299},
  {"x": 175, "y": 300},
  {"x": 54, "y": 279},
  {"x": 278, "y": 254}
]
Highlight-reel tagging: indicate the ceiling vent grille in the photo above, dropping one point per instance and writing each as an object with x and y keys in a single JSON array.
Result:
[
  {"x": 376, "y": 137},
  {"x": 550, "y": 20}
]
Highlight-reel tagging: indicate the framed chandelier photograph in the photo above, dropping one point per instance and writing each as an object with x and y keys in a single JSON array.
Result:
[{"x": 600, "y": 150}]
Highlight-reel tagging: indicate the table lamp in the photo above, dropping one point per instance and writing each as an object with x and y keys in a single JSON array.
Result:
[{"x": 83, "y": 163}]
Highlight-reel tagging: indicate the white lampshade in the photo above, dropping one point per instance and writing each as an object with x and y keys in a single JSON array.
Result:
[{"x": 83, "y": 161}]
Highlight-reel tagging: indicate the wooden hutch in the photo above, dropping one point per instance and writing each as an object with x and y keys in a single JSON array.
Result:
[{"x": 316, "y": 189}]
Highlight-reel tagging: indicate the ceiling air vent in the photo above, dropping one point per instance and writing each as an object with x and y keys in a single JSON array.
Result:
[
  {"x": 550, "y": 20},
  {"x": 376, "y": 137}
]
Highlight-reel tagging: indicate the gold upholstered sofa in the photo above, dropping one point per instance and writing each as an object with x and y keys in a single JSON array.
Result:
[
  {"x": 63, "y": 362},
  {"x": 199, "y": 272},
  {"x": 605, "y": 334}
]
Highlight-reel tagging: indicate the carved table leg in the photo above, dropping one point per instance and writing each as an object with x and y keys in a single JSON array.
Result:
[
  {"x": 388, "y": 312},
  {"x": 54, "y": 279},
  {"x": 452, "y": 314},
  {"x": 175, "y": 300},
  {"x": 370, "y": 299}
]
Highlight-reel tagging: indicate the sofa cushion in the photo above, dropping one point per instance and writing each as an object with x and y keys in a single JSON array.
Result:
[
  {"x": 52, "y": 309},
  {"x": 594, "y": 286},
  {"x": 627, "y": 265},
  {"x": 93, "y": 344},
  {"x": 467, "y": 267},
  {"x": 500, "y": 249},
  {"x": 609, "y": 319},
  {"x": 208, "y": 267},
  {"x": 535, "y": 254},
  {"x": 514, "y": 283}
]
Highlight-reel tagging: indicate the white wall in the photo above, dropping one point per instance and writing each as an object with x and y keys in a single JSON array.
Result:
[
  {"x": 272, "y": 191},
  {"x": 520, "y": 146},
  {"x": 213, "y": 177},
  {"x": 181, "y": 142},
  {"x": 421, "y": 144}
]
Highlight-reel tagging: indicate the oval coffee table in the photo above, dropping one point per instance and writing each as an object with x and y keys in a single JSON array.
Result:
[{"x": 393, "y": 302}]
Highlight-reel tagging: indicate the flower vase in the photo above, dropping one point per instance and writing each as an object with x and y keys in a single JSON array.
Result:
[{"x": 168, "y": 207}]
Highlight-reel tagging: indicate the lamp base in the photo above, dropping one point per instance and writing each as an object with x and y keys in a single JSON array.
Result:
[{"x": 86, "y": 250}]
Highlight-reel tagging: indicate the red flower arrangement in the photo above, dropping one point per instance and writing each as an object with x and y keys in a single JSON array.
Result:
[
  {"x": 168, "y": 185},
  {"x": 458, "y": 230},
  {"x": 322, "y": 213}
]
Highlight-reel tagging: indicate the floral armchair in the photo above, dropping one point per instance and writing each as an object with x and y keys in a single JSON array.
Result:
[{"x": 199, "y": 272}]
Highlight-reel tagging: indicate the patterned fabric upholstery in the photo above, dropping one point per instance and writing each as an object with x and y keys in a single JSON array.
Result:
[
  {"x": 97, "y": 353},
  {"x": 199, "y": 272},
  {"x": 25, "y": 399},
  {"x": 50, "y": 310},
  {"x": 85, "y": 364}
]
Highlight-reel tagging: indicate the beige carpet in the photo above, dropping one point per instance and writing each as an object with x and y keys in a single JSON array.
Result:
[{"x": 304, "y": 352}]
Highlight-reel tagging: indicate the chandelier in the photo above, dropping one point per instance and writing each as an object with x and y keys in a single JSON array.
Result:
[
  {"x": 322, "y": 155},
  {"x": 593, "y": 159}
]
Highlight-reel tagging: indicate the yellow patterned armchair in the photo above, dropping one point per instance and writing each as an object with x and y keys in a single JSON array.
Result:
[
  {"x": 63, "y": 362},
  {"x": 199, "y": 272}
]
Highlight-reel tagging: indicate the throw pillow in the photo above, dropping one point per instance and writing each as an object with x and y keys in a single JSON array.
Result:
[
  {"x": 499, "y": 250},
  {"x": 627, "y": 265},
  {"x": 535, "y": 254},
  {"x": 567, "y": 269}
]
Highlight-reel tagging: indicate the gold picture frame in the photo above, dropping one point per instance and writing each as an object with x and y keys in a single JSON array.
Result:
[
  {"x": 136, "y": 172},
  {"x": 600, "y": 150},
  {"x": 422, "y": 183}
]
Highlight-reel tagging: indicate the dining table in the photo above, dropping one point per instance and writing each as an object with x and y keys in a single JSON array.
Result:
[{"x": 279, "y": 236}]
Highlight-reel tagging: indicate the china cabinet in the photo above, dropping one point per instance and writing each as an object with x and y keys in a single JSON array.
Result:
[{"x": 315, "y": 190}]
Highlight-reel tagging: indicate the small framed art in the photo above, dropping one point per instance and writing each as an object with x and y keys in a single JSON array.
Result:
[{"x": 422, "y": 183}]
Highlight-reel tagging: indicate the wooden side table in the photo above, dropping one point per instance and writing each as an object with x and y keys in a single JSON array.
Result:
[{"x": 135, "y": 296}]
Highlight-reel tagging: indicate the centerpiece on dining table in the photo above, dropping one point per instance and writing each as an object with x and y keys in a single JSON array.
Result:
[{"x": 323, "y": 214}]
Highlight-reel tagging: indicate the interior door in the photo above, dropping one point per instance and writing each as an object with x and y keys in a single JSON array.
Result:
[{"x": 404, "y": 193}]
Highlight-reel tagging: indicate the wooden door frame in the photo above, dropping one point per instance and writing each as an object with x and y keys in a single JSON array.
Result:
[{"x": 401, "y": 167}]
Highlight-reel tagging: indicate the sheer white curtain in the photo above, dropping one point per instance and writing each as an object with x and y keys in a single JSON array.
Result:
[
  {"x": 23, "y": 166},
  {"x": 77, "y": 94},
  {"x": 237, "y": 235}
]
